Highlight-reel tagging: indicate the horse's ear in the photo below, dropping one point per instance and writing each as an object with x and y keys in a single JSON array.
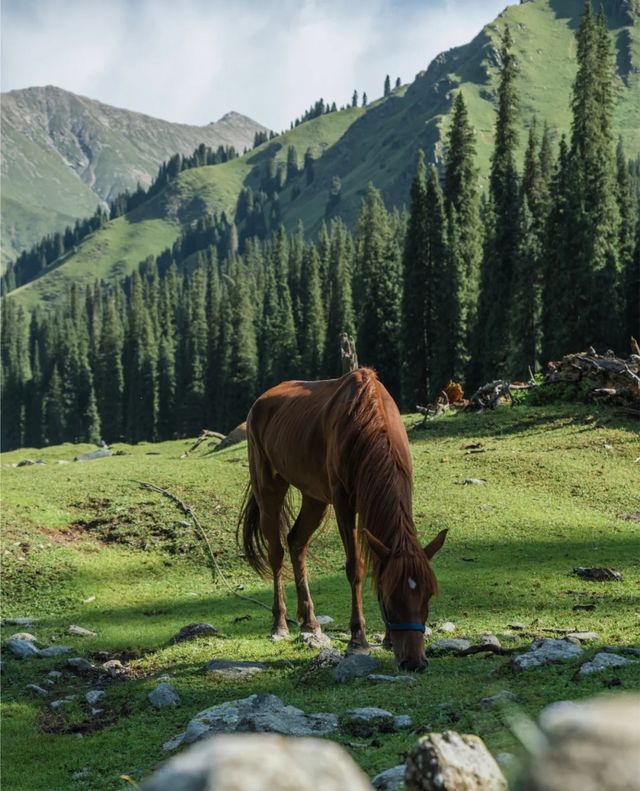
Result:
[
  {"x": 435, "y": 545},
  {"x": 376, "y": 546}
]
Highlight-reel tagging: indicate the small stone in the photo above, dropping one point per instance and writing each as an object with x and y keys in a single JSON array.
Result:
[
  {"x": 366, "y": 721},
  {"x": 504, "y": 696},
  {"x": 174, "y": 743},
  {"x": 25, "y": 463},
  {"x": 38, "y": 690},
  {"x": 56, "y": 704},
  {"x": 490, "y": 639},
  {"x": 546, "y": 651},
  {"x": 19, "y": 621},
  {"x": 448, "y": 627},
  {"x": 517, "y": 627},
  {"x": 389, "y": 780},
  {"x": 22, "y": 648},
  {"x": 79, "y": 663},
  {"x": 80, "y": 631},
  {"x": 89, "y": 599},
  {"x": 62, "y": 461},
  {"x": 114, "y": 667},
  {"x": 428, "y": 633},
  {"x": 402, "y": 722},
  {"x": 604, "y": 661},
  {"x": 96, "y": 712},
  {"x": 599, "y": 574},
  {"x": 354, "y": 666},
  {"x": 56, "y": 650},
  {"x": 324, "y": 620},
  {"x": 164, "y": 696},
  {"x": 81, "y": 774},
  {"x": 54, "y": 675},
  {"x": 194, "y": 630},
  {"x": 27, "y": 636},
  {"x": 380, "y": 678},
  {"x": 473, "y": 481},
  {"x": 450, "y": 645},
  {"x": 315, "y": 640},
  {"x": 230, "y": 670},
  {"x": 94, "y": 695},
  {"x": 582, "y": 637}
]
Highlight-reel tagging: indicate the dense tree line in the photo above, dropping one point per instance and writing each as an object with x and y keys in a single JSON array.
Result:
[{"x": 462, "y": 285}]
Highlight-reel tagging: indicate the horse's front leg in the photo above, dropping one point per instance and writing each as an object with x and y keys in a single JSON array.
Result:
[
  {"x": 308, "y": 521},
  {"x": 346, "y": 517}
]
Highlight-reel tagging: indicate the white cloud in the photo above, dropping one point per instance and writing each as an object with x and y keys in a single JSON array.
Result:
[{"x": 193, "y": 60}]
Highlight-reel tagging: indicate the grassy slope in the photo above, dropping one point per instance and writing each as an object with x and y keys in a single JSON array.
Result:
[{"x": 554, "y": 498}]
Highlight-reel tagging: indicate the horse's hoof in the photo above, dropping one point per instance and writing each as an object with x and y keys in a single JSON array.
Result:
[
  {"x": 358, "y": 648},
  {"x": 279, "y": 634}
]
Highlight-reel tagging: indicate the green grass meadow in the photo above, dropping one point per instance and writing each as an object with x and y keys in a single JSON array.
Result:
[{"x": 562, "y": 490}]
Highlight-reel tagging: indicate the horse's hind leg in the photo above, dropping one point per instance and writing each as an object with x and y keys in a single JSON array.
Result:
[
  {"x": 306, "y": 524},
  {"x": 271, "y": 502}
]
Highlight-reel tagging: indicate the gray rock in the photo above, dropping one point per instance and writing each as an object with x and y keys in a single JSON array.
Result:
[
  {"x": 366, "y": 721},
  {"x": 449, "y": 645},
  {"x": 402, "y": 722},
  {"x": 66, "y": 701},
  {"x": 79, "y": 663},
  {"x": 96, "y": 712},
  {"x": 258, "y": 714},
  {"x": 259, "y": 762},
  {"x": 582, "y": 637},
  {"x": 93, "y": 696},
  {"x": 80, "y": 631},
  {"x": 490, "y": 639},
  {"x": 194, "y": 630},
  {"x": 324, "y": 620},
  {"x": 448, "y": 627},
  {"x": 38, "y": 690},
  {"x": 504, "y": 696},
  {"x": 452, "y": 762},
  {"x": 389, "y": 780},
  {"x": 229, "y": 670},
  {"x": 172, "y": 744},
  {"x": 25, "y": 463},
  {"x": 54, "y": 675},
  {"x": 354, "y": 666},
  {"x": 19, "y": 621},
  {"x": 381, "y": 678},
  {"x": 23, "y": 649},
  {"x": 590, "y": 744},
  {"x": 101, "y": 453},
  {"x": 26, "y": 636},
  {"x": 474, "y": 481},
  {"x": 604, "y": 661},
  {"x": 164, "y": 696},
  {"x": 517, "y": 627},
  {"x": 114, "y": 668},
  {"x": 507, "y": 761},
  {"x": 56, "y": 650},
  {"x": 81, "y": 774},
  {"x": 546, "y": 651},
  {"x": 317, "y": 640}
]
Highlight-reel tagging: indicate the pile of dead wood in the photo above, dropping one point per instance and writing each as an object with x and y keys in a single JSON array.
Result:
[{"x": 609, "y": 379}]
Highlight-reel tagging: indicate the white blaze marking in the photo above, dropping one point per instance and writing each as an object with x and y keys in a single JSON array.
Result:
[{"x": 412, "y": 583}]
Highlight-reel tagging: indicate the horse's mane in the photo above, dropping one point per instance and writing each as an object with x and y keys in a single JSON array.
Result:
[{"x": 377, "y": 458}]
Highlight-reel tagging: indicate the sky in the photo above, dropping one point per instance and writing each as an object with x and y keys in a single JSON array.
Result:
[{"x": 191, "y": 61}]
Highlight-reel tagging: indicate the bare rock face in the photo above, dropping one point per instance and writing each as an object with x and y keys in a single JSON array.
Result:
[
  {"x": 592, "y": 744},
  {"x": 260, "y": 762},
  {"x": 452, "y": 761}
]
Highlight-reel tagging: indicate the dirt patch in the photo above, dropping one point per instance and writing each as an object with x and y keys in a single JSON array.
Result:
[
  {"x": 632, "y": 517},
  {"x": 72, "y": 534},
  {"x": 61, "y": 722}
]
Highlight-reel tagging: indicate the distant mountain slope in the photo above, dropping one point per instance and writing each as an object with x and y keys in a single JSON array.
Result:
[
  {"x": 62, "y": 154},
  {"x": 378, "y": 143}
]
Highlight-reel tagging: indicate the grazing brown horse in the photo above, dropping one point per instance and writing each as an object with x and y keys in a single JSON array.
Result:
[{"x": 340, "y": 442}]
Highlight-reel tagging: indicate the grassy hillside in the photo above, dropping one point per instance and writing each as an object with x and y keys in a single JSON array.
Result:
[
  {"x": 83, "y": 544},
  {"x": 380, "y": 143}
]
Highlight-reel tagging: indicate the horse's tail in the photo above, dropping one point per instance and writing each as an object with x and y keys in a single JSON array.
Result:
[{"x": 253, "y": 540}]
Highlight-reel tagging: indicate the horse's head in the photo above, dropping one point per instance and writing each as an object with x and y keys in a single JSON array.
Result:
[{"x": 405, "y": 582}]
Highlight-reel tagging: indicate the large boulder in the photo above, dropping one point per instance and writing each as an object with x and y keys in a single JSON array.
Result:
[
  {"x": 260, "y": 762},
  {"x": 591, "y": 745},
  {"x": 452, "y": 761}
]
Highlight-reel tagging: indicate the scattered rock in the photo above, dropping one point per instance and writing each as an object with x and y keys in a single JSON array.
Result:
[
  {"x": 25, "y": 463},
  {"x": 366, "y": 721},
  {"x": 258, "y": 714},
  {"x": 19, "y": 621},
  {"x": 93, "y": 696},
  {"x": 54, "y": 675},
  {"x": 164, "y": 696},
  {"x": 231, "y": 670},
  {"x": 517, "y": 627},
  {"x": 354, "y": 666},
  {"x": 448, "y": 627},
  {"x": 114, "y": 668},
  {"x": 101, "y": 453},
  {"x": 591, "y": 744},
  {"x": 317, "y": 640},
  {"x": 97, "y": 712},
  {"x": 56, "y": 704},
  {"x": 589, "y": 606},
  {"x": 38, "y": 690},
  {"x": 604, "y": 661},
  {"x": 450, "y": 645},
  {"x": 324, "y": 620},
  {"x": 544, "y": 652},
  {"x": 582, "y": 637},
  {"x": 89, "y": 599},
  {"x": 193, "y": 630},
  {"x": 22, "y": 648},
  {"x": 79, "y": 663},
  {"x": 172, "y": 744},
  {"x": 507, "y": 761},
  {"x": 81, "y": 774},
  {"x": 56, "y": 650},
  {"x": 80, "y": 631},
  {"x": 26, "y": 636},
  {"x": 451, "y": 762},
  {"x": 62, "y": 461},
  {"x": 328, "y": 657},
  {"x": 490, "y": 639},
  {"x": 428, "y": 633},
  {"x": 389, "y": 780},
  {"x": 473, "y": 481},
  {"x": 255, "y": 762},
  {"x": 380, "y": 678},
  {"x": 402, "y": 722},
  {"x": 598, "y": 574},
  {"x": 503, "y": 696}
]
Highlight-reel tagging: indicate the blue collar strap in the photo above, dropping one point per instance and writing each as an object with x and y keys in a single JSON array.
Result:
[{"x": 406, "y": 627}]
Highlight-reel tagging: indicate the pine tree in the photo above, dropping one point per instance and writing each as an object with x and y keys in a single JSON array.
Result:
[
  {"x": 398, "y": 83},
  {"x": 312, "y": 325},
  {"x": 292, "y": 164},
  {"x": 110, "y": 373},
  {"x": 387, "y": 85},
  {"x": 629, "y": 224},
  {"x": 364, "y": 100},
  {"x": 354, "y": 99},
  {"x": 242, "y": 386},
  {"x": 339, "y": 305}
]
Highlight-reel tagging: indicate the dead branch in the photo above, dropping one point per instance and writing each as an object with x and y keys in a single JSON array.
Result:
[{"x": 204, "y": 434}]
